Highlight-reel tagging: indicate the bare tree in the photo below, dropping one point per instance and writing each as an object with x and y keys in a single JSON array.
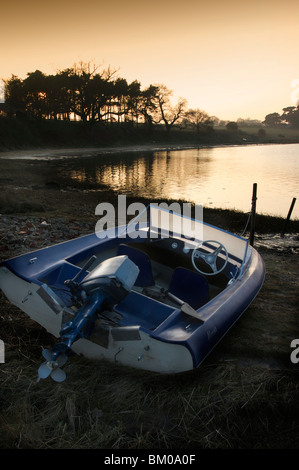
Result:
[
  {"x": 197, "y": 119},
  {"x": 169, "y": 114}
]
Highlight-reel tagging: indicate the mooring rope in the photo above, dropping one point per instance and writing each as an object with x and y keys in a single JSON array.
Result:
[{"x": 242, "y": 234}]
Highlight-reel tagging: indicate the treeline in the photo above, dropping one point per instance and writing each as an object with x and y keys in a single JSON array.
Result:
[
  {"x": 289, "y": 117},
  {"x": 84, "y": 93},
  {"x": 85, "y": 104}
]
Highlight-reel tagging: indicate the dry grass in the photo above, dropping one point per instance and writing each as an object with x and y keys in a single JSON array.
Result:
[
  {"x": 278, "y": 133},
  {"x": 243, "y": 396}
]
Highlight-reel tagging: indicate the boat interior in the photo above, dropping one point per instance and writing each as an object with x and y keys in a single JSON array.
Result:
[{"x": 166, "y": 280}]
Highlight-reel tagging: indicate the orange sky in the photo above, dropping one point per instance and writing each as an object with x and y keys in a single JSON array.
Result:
[{"x": 230, "y": 58}]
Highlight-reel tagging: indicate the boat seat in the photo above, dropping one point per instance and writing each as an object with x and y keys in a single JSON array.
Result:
[
  {"x": 189, "y": 286},
  {"x": 141, "y": 259}
]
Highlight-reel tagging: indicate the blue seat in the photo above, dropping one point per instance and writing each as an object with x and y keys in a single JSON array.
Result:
[
  {"x": 145, "y": 277},
  {"x": 190, "y": 287}
]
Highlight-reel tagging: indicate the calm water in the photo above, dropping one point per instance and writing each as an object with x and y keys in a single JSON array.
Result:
[
  {"x": 215, "y": 177},
  {"x": 220, "y": 177}
]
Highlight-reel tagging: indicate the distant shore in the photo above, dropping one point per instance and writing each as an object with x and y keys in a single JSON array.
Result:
[
  {"x": 45, "y": 153},
  {"x": 22, "y": 134}
]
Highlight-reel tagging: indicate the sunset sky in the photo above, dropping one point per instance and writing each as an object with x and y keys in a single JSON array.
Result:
[{"x": 229, "y": 58}]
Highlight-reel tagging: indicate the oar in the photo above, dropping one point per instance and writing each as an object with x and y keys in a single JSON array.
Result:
[{"x": 185, "y": 307}]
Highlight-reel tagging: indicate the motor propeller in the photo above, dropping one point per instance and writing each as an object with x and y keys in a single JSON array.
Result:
[
  {"x": 52, "y": 367},
  {"x": 97, "y": 289}
]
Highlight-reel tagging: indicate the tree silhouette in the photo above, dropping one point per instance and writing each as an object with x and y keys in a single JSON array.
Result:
[
  {"x": 291, "y": 116},
  {"x": 169, "y": 114},
  {"x": 148, "y": 104},
  {"x": 35, "y": 91},
  {"x": 197, "y": 119},
  {"x": 91, "y": 94},
  {"x": 272, "y": 119},
  {"x": 118, "y": 99},
  {"x": 232, "y": 126},
  {"x": 14, "y": 97},
  {"x": 134, "y": 95}
]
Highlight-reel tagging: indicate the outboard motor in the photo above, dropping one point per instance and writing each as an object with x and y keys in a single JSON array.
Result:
[
  {"x": 102, "y": 288},
  {"x": 114, "y": 278}
]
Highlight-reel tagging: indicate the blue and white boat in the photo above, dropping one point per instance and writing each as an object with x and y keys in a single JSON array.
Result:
[{"x": 148, "y": 295}]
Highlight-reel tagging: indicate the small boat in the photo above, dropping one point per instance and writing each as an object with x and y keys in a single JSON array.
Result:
[{"x": 156, "y": 294}]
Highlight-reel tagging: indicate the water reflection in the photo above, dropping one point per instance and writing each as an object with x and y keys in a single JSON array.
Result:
[
  {"x": 150, "y": 174},
  {"x": 216, "y": 177}
]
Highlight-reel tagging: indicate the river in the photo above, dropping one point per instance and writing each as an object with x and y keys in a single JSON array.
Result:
[{"x": 217, "y": 177}]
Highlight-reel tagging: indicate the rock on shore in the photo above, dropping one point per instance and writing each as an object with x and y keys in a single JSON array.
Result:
[{"x": 21, "y": 234}]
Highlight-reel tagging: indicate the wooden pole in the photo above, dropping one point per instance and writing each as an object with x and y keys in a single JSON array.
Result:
[
  {"x": 253, "y": 209},
  {"x": 288, "y": 217}
]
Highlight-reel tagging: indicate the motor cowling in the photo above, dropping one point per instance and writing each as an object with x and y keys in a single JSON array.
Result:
[{"x": 113, "y": 278}]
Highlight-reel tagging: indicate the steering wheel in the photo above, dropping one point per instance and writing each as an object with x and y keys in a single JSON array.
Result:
[{"x": 210, "y": 258}]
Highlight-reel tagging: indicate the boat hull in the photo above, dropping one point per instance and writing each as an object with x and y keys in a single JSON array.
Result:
[{"x": 178, "y": 343}]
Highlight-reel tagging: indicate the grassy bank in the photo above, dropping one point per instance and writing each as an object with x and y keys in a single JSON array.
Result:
[
  {"x": 22, "y": 134},
  {"x": 243, "y": 397},
  {"x": 49, "y": 203}
]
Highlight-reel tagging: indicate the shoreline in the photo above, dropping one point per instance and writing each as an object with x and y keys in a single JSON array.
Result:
[
  {"x": 32, "y": 188},
  {"x": 52, "y": 152},
  {"x": 27, "y": 232}
]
